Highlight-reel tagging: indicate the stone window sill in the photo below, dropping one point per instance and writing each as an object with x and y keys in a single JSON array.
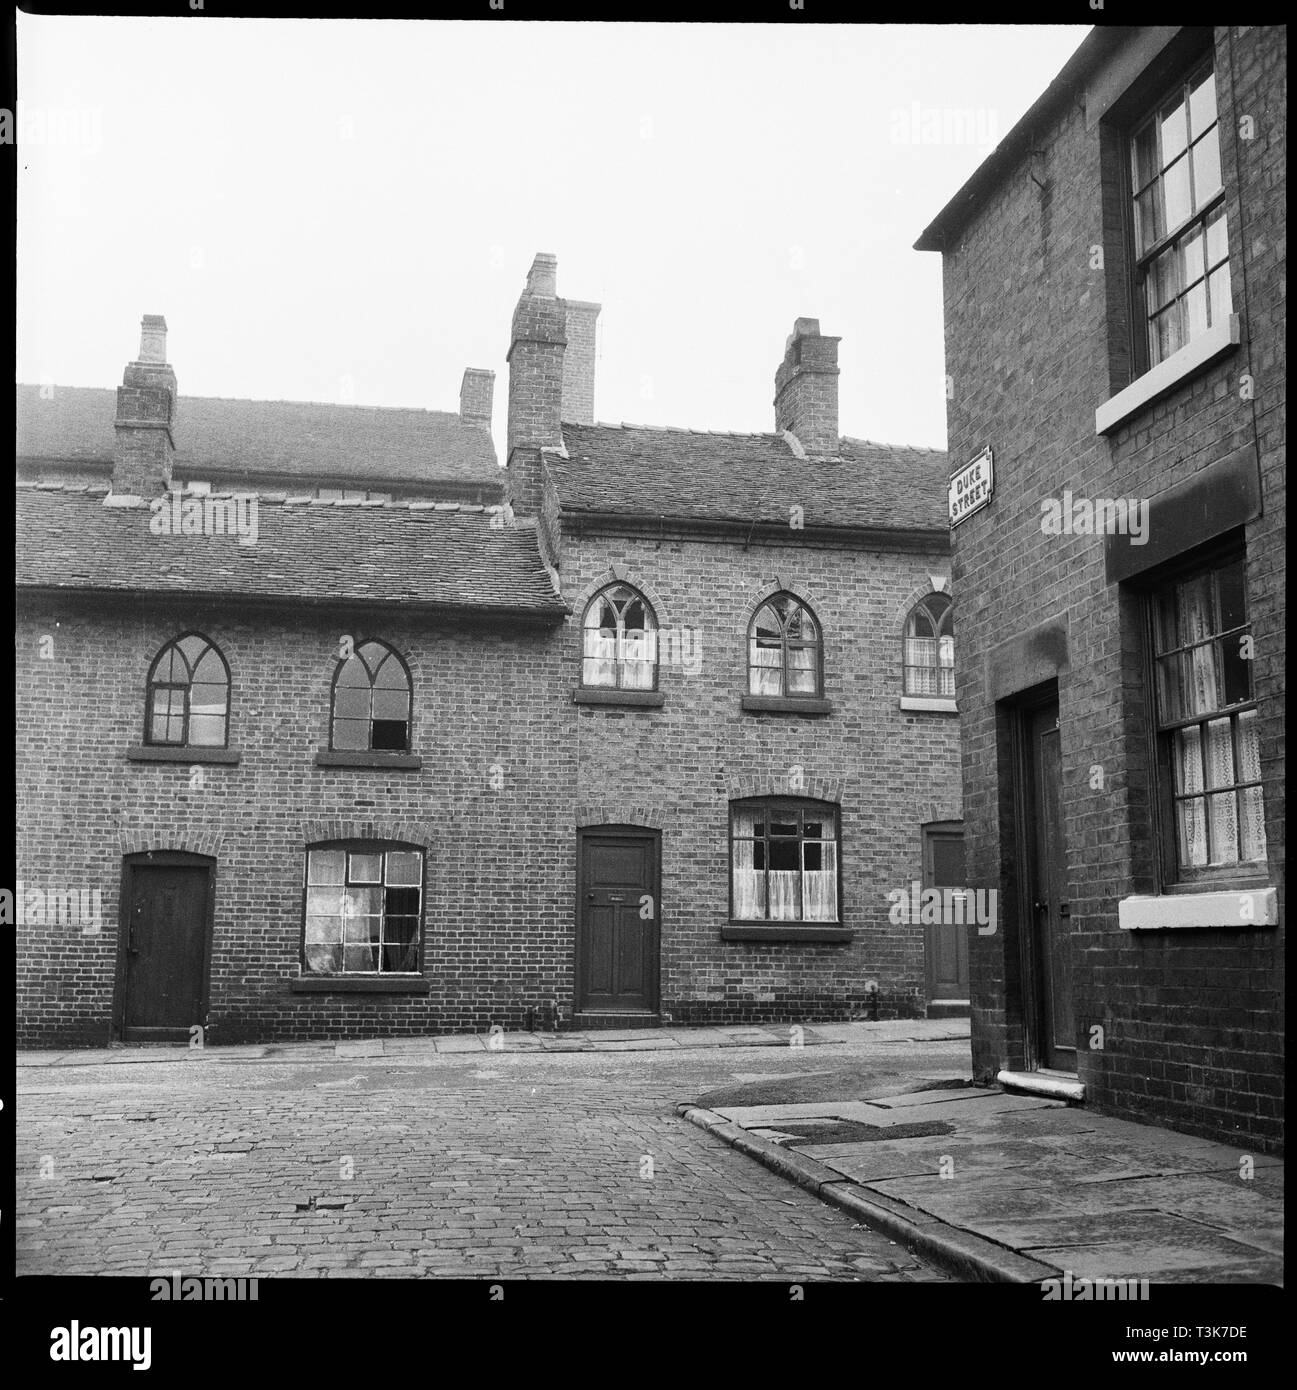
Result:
[
  {"x": 931, "y": 704},
  {"x": 359, "y": 984},
  {"x": 1218, "y": 909},
  {"x": 784, "y": 704},
  {"x": 638, "y": 699},
  {"x": 1196, "y": 354},
  {"x": 410, "y": 762},
  {"x": 786, "y": 931},
  {"x": 148, "y": 753}
]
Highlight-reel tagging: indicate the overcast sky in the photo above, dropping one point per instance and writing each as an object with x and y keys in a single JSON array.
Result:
[{"x": 347, "y": 210}]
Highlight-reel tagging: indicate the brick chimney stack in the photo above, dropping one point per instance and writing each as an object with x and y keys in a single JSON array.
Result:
[
  {"x": 806, "y": 389},
  {"x": 146, "y": 408},
  {"x": 476, "y": 394},
  {"x": 551, "y": 377}
]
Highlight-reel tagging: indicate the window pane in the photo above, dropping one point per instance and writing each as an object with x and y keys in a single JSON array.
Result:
[
  {"x": 1252, "y": 829},
  {"x": 1220, "y": 753},
  {"x": 1200, "y": 670},
  {"x": 1231, "y": 595},
  {"x": 1192, "y": 825},
  {"x": 1191, "y": 259},
  {"x": 1202, "y": 104},
  {"x": 780, "y": 826},
  {"x": 1163, "y": 279},
  {"x": 361, "y": 902},
  {"x": 1150, "y": 222},
  {"x": 391, "y": 675},
  {"x": 1166, "y": 333},
  {"x": 404, "y": 866},
  {"x": 1175, "y": 194},
  {"x": 322, "y": 902},
  {"x": 357, "y": 931},
  {"x": 1174, "y": 133},
  {"x": 192, "y": 646},
  {"x": 365, "y": 868},
  {"x": 1206, "y": 168},
  {"x": 1217, "y": 238},
  {"x": 360, "y": 959},
  {"x": 1170, "y": 693},
  {"x": 1236, "y": 672},
  {"x": 765, "y": 676},
  {"x": 325, "y": 866},
  {"x": 784, "y": 855},
  {"x": 1218, "y": 290},
  {"x": 206, "y": 730},
  {"x": 391, "y": 704},
  {"x": 401, "y": 902},
  {"x": 1196, "y": 306},
  {"x": 1223, "y": 820},
  {"x": 351, "y": 702},
  {"x": 323, "y": 958},
  {"x": 820, "y": 888},
  {"x": 749, "y": 883},
  {"x": 353, "y": 672},
  {"x": 351, "y": 735},
  {"x": 1144, "y": 156},
  {"x": 321, "y": 928},
  {"x": 1187, "y": 759}
]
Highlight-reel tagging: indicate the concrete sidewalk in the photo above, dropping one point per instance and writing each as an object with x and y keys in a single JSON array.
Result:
[
  {"x": 898, "y": 1032},
  {"x": 1013, "y": 1188}
]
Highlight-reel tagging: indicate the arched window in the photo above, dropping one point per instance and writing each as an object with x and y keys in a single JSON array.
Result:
[
  {"x": 187, "y": 704},
  {"x": 784, "y": 649},
  {"x": 620, "y": 640},
  {"x": 930, "y": 648},
  {"x": 371, "y": 700}
]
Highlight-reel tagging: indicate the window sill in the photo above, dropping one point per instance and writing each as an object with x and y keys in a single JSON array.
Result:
[
  {"x": 148, "y": 753},
  {"x": 639, "y": 699},
  {"x": 1196, "y": 354},
  {"x": 932, "y": 704},
  {"x": 784, "y": 704},
  {"x": 786, "y": 931},
  {"x": 359, "y": 984},
  {"x": 399, "y": 761},
  {"x": 1220, "y": 909}
]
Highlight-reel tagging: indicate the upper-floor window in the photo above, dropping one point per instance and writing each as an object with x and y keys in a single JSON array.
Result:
[
  {"x": 371, "y": 700},
  {"x": 783, "y": 861},
  {"x": 1209, "y": 756},
  {"x": 784, "y": 649},
  {"x": 363, "y": 909},
  {"x": 1181, "y": 242},
  {"x": 930, "y": 648},
  {"x": 619, "y": 633},
  {"x": 187, "y": 704}
]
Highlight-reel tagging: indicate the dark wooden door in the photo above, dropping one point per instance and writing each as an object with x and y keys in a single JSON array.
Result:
[
  {"x": 164, "y": 979},
  {"x": 1054, "y": 1015},
  {"x": 617, "y": 922},
  {"x": 945, "y": 943}
]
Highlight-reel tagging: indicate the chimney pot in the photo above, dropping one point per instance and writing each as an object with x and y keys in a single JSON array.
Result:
[
  {"x": 542, "y": 279},
  {"x": 153, "y": 339}
]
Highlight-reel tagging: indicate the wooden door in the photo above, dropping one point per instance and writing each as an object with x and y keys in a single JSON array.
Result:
[
  {"x": 945, "y": 943},
  {"x": 164, "y": 976},
  {"x": 617, "y": 921},
  {"x": 1052, "y": 1015}
]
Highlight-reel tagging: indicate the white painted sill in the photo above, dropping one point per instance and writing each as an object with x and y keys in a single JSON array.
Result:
[
  {"x": 933, "y": 706},
  {"x": 1246, "y": 908},
  {"x": 1196, "y": 354}
]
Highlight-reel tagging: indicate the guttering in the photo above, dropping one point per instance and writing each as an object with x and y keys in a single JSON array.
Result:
[{"x": 873, "y": 537}]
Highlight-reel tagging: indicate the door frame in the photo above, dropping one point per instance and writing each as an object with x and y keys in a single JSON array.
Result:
[
  {"x": 1024, "y": 813},
  {"x": 161, "y": 858},
  {"x": 618, "y": 830},
  {"x": 929, "y": 831}
]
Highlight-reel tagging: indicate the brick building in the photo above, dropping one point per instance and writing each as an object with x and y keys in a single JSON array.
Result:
[
  {"x": 1114, "y": 287},
  {"x": 329, "y": 726}
]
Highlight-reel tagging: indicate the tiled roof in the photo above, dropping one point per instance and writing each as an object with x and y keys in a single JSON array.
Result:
[
  {"x": 246, "y": 439},
  {"x": 693, "y": 474},
  {"x": 439, "y": 555}
]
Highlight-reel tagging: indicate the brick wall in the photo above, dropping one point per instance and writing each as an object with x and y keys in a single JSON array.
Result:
[
  {"x": 500, "y": 861},
  {"x": 1035, "y": 341}
]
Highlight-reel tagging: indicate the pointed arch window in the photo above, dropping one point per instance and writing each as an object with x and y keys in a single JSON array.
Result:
[
  {"x": 929, "y": 658},
  {"x": 187, "y": 704},
  {"x": 371, "y": 700},
  {"x": 619, "y": 634},
  {"x": 784, "y": 649}
]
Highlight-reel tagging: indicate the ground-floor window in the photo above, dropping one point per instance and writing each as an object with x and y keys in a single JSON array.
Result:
[
  {"x": 363, "y": 909},
  {"x": 783, "y": 861}
]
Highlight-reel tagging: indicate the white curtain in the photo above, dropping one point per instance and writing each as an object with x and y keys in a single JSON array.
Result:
[
  {"x": 820, "y": 887},
  {"x": 749, "y": 884},
  {"x": 600, "y": 657},
  {"x": 806, "y": 894}
]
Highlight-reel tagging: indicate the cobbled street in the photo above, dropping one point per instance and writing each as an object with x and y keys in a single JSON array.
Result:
[{"x": 510, "y": 1163}]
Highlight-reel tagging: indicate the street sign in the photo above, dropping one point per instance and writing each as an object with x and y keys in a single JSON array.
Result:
[{"x": 971, "y": 487}]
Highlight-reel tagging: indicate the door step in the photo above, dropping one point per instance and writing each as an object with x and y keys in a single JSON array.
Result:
[
  {"x": 949, "y": 1008},
  {"x": 625, "y": 1020},
  {"x": 1055, "y": 1085}
]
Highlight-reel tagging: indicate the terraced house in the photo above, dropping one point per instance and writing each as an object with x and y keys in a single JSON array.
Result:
[
  {"x": 358, "y": 733},
  {"x": 1114, "y": 287}
]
